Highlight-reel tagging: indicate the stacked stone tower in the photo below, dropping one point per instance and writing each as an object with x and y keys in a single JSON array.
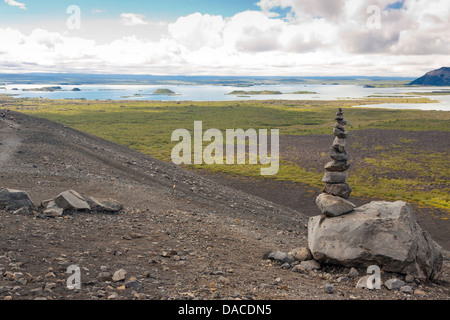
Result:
[{"x": 332, "y": 202}]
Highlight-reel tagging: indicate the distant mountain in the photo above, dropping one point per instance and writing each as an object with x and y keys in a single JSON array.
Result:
[{"x": 439, "y": 77}]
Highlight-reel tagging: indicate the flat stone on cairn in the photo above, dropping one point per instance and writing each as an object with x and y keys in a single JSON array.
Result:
[{"x": 332, "y": 202}]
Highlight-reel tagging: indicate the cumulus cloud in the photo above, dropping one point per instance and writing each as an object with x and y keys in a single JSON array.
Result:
[
  {"x": 313, "y": 39},
  {"x": 132, "y": 19},
  {"x": 197, "y": 30},
  {"x": 13, "y": 3}
]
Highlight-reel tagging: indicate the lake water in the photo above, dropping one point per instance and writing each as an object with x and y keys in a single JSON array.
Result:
[{"x": 219, "y": 93}]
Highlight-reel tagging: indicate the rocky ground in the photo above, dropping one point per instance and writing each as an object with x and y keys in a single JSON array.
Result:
[{"x": 180, "y": 235}]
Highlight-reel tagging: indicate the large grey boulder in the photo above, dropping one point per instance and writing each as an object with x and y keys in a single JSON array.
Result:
[
  {"x": 71, "y": 200},
  {"x": 11, "y": 199},
  {"x": 379, "y": 233}
]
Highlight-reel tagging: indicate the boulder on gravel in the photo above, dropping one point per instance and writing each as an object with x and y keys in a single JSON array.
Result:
[
  {"x": 379, "y": 233},
  {"x": 11, "y": 199},
  {"x": 104, "y": 205},
  {"x": 71, "y": 200}
]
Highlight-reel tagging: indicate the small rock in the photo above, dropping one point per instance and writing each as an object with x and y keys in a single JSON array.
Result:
[
  {"x": 281, "y": 257},
  {"x": 133, "y": 284},
  {"x": 309, "y": 265},
  {"x": 406, "y": 289},
  {"x": 353, "y": 273},
  {"x": 224, "y": 280},
  {"x": 139, "y": 296},
  {"x": 119, "y": 275},
  {"x": 409, "y": 278},
  {"x": 362, "y": 282},
  {"x": 419, "y": 293},
  {"x": 104, "y": 276},
  {"x": 394, "y": 284},
  {"x": 301, "y": 254},
  {"x": 49, "y": 286},
  {"x": 113, "y": 296},
  {"x": 17, "y": 275},
  {"x": 52, "y": 210},
  {"x": 343, "y": 279},
  {"x": 329, "y": 288}
]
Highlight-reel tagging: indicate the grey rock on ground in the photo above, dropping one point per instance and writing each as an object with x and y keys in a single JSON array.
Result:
[
  {"x": 309, "y": 265},
  {"x": 119, "y": 275},
  {"x": 378, "y": 233},
  {"x": 104, "y": 205},
  {"x": 394, "y": 284},
  {"x": 281, "y": 257},
  {"x": 11, "y": 199},
  {"x": 71, "y": 200}
]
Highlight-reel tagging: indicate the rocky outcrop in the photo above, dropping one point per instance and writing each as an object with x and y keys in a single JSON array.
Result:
[
  {"x": 378, "y": 233},
  {"x": 439, "y": 77},
  {"x": 11, "y": 199}
]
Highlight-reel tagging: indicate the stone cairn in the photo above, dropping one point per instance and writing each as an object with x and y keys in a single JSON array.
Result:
[{"x": 332, "y": 201}]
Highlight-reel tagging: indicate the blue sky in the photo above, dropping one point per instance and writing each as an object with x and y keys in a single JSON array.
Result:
[
  {"x": 226, "y": 37},
  {"x": 169, "y": 10}
]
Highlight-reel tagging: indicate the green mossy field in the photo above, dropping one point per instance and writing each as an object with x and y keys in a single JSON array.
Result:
[{"x": 147, "y": 126}]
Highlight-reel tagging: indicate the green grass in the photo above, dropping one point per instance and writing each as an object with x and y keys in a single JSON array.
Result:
[{"x": 147, "y": 127}]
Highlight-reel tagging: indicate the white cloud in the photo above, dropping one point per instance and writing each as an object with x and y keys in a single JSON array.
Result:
[
  {"x": 312, "y": 40},
  {"x": 132, "y": 19},
  {"x": 197, "y": 30},
  {"x": 13, "y": 3}
]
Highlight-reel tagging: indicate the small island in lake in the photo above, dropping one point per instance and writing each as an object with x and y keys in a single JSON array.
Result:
[
  {"x": 165, "y": 92},
  {"x": 48, "y": 89},
  {"x": 242, "y": 93},
  {"x": 304, "y": 92}
]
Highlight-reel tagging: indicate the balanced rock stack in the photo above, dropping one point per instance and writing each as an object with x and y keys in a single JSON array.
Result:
[{"x": 332, "y": 201}]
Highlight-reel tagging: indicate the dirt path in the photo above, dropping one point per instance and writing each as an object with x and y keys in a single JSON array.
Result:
[{"x": 9, "y": 140}]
